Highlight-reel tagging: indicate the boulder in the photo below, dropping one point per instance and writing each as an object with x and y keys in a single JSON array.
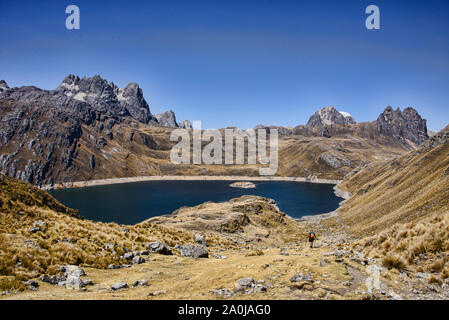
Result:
[
  {"x": 119, "y": 286},
  {"x": 138, "y": 260},
  {"x": 194, "y": 251},
  {"x": 73, "y": 270},
  {"x": 128, "y": 256},
  {"x": 140, "y": 283},
  {"x": 159, "y": 247}
]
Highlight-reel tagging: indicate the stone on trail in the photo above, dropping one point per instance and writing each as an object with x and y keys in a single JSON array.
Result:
[{"x": 119, "y": 286}]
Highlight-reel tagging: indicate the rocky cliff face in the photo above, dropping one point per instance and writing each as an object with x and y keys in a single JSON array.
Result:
[
  {"x": 41, "y": 130},
  {"x": 329, "y": 116},
  {"x": 406, "y": 126},
  {"x": 106, "y": 97}
]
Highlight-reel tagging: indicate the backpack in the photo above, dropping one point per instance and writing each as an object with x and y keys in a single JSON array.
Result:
[{"x": 312, "y": 236}]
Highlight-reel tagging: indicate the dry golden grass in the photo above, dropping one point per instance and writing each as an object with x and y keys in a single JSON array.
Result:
[
  {"x": 64, "y": 238},
  {"x": 399, "y": 191},
  {"x": 421, "y": 246}
]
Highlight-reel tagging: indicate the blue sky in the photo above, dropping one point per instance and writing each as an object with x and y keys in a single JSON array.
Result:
[{"x": 241, "y": 62}]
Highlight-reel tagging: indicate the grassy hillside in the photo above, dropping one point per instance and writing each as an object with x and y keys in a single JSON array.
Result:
[
  {"x": 401, "y": 190},
  {"x": 399, "y": 211},
  {"x": 61, "y": 236}
]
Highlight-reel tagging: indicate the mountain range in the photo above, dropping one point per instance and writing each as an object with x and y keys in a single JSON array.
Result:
[{"x": 75, "y": 132}]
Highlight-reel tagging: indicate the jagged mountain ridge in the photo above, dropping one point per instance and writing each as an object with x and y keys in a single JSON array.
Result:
[
  {"x": 41, "y": 130},
  {"x": 75, "y": 132}
]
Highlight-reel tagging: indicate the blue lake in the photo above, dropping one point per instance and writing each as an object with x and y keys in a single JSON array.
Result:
[{"x": 130, "y": 203}]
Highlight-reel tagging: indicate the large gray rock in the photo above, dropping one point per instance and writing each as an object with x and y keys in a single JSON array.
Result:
[
  {"x": 119, "y": 286},
  {"x": 193, "y": 251},
  {"x": 72, "y": 270},
  {"x": 159, "y": 247},
  {"x": 128, "y": 256},
  {"x": 140, "y": 283},
  {"x": 138, "y": 260},
  {"x": 72, "y": 275}
]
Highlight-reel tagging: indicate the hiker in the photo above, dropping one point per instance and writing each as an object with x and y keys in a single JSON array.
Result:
[{"x": 312, "y": 237}]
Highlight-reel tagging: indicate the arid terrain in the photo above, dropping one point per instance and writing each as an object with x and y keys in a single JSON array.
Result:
[
  {"x": 388, "y": 240},
  {"x": 245, "y": 248}
]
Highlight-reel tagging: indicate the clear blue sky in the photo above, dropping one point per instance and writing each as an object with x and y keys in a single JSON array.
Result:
[{"x": 241, "y": 62}]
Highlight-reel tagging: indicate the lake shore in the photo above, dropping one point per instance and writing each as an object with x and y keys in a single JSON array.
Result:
[{"x": 102, "y": 182}]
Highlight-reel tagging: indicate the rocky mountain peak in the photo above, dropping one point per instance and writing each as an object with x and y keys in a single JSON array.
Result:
[
  {"x": 3, "y": 86},
  {"x": 407, "y": 126},
  {"x": 329, "y": 116},
  {"x": 106, "y": 96},
  {"x": 167, "y": 119}
]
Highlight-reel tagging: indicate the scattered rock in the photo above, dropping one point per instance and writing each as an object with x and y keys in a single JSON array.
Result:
[
  {"x": 52, "y": 279},
  {"x": 32, "y": 285},
  {"x": 301, "y": 277},
  {"x": 119, "y": 286},
  {"x": 323, "y": 263},
  {"x": 140, "y": 283},
  {"x": 157, "y": 293},
  {"x": 34, "y": 229},
  {"x": 244, "y": 283},
  {"x": 128, "y": 256},
  {"x": 113, "y": 266},
  {"x": 222, "y": 293},
  {"x": 138, "y": 260},
  {"x": 200, "y": 239}
]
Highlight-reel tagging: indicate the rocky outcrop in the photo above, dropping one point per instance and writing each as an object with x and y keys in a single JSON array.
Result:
[
  {"x": 186, "y": 124},
  {"x": 329, "y": 116},
  {"x": 167, "y": 119},
  {"x": 406, "y": 126},
  {"x": 193, "y": 251},
  {"x": 3, "y": 86}
]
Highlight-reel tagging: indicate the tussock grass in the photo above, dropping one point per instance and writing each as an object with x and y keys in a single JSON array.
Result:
[
  {"x": 422, "y": 245},
  {"x": 395, "y": 262}
]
